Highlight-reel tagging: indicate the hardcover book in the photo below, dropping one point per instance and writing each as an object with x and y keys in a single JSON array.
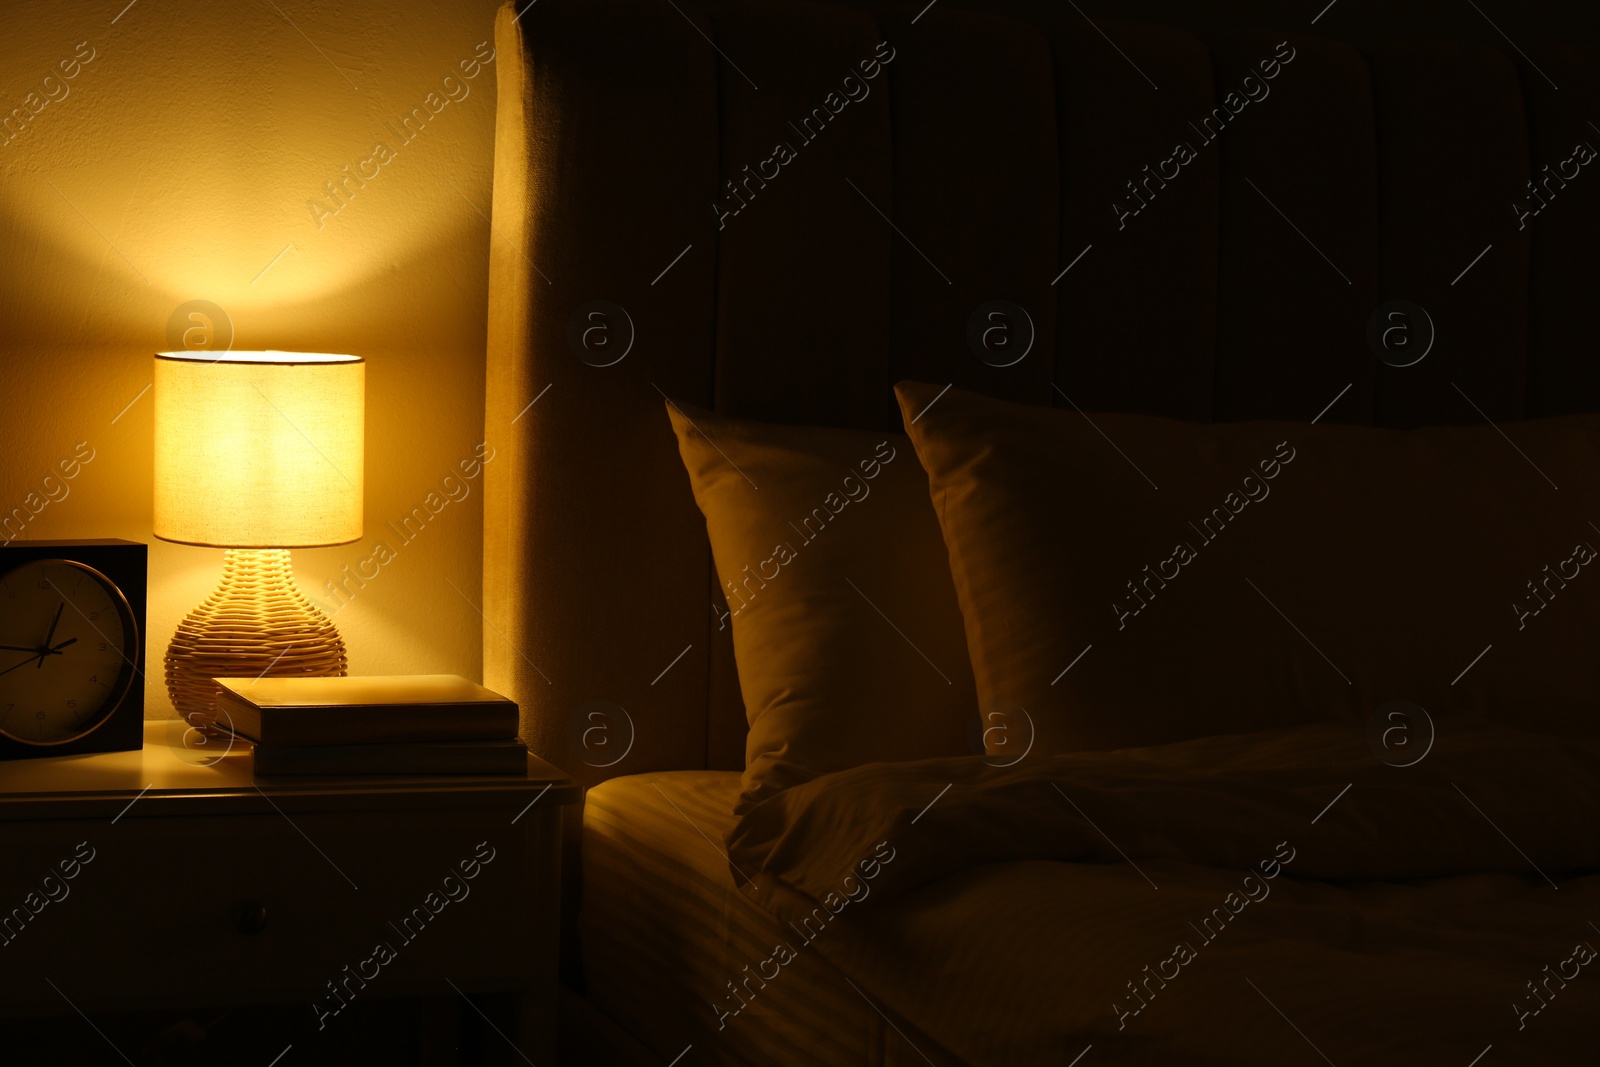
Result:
[
  {"x": 406, "y": 757},
  {"x": 281, "y": 712}
]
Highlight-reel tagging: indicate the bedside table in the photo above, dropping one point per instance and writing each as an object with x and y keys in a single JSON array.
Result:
[{"x": 144, "y": 880}]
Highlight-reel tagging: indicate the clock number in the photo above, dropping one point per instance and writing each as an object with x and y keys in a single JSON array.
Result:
[
  {"x": 95, "y": 678},
  {"x": 72, "y": 703},
  {"x": 101, "y": 646},
  {"x": 93, "y": 615},
  {"x": 44, "y": 583},
  {"x": 38, "y": 715}
]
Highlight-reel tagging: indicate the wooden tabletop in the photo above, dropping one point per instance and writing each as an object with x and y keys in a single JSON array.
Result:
[{"x": 179, "y": 773}]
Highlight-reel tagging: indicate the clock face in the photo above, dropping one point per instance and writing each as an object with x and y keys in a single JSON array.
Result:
[{"x": 68, "y": 643}]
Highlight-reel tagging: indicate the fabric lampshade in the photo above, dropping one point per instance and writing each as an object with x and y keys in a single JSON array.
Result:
[{"x": 259, "y": 449}]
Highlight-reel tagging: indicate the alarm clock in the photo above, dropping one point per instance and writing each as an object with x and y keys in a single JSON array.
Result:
[{"x": 72, "y": 617}]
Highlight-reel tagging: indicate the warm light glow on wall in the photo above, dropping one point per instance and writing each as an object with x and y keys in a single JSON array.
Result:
[
  {"x": 259, "y": 449},
  {"x": 213, "y": 177}
]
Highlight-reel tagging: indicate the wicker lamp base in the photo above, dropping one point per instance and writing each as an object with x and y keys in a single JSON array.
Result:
[{"x": 256, "y": 623}]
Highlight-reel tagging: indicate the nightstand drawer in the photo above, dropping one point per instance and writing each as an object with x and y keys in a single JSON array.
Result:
[{"x": 217, "y": 909}]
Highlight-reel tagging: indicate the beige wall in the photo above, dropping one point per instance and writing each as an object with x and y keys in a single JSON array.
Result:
[{"x": 176, "y": 165}]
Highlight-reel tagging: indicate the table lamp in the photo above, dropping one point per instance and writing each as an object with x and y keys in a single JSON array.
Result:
[{"x": 256, "y": 453}]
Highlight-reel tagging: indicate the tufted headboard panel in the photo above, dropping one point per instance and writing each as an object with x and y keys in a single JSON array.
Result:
[{"x": 778, "y": 209}]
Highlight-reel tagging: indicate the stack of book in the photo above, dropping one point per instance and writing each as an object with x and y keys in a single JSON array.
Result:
[{"x": 401, "y": 725}]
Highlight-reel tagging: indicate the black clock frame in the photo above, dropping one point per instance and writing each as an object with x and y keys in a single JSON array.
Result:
[{"x": 126, "y": 564}]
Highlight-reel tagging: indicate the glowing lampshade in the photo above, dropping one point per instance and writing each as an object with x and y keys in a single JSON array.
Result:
[
  {"x": 258, "y": 449},
  {"x": 257, "y": 453}
]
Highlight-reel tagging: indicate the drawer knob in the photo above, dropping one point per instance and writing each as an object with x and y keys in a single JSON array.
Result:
[{"x": 250, "y": 918}]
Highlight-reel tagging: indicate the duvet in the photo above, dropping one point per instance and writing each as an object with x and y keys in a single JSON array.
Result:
[{"x": 1272, "y": 898}]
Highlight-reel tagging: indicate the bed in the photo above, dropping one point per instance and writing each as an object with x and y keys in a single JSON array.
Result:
[
  {"x": 770, "y": 214},
  {"x": 662, "y": 900}
]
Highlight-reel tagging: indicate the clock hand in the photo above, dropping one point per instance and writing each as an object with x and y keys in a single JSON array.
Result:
[
  {"x": 55, "y": 650},
  {"x": 39, "y": 654},
  {"x": 43, "y": 653},
  {"x": 24, "y": 663},
  {"x": 45, "y": 648}
]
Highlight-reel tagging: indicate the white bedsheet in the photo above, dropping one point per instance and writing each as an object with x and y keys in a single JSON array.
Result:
[{"x": 665, "y": 931}]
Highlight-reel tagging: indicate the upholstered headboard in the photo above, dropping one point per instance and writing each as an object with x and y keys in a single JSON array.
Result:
[{"x": 778, "y": 209}]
